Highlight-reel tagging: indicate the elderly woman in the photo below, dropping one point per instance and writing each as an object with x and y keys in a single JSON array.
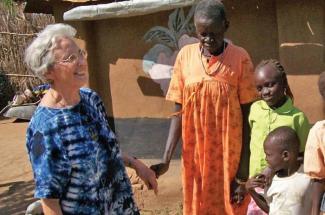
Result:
[
  {"x": 212, "y": 86},
  {"x": 77, "y": 164}
]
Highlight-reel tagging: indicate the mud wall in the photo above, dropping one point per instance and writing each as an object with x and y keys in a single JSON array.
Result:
[
  {"x": 301, "y": 50},
  {"x": 290, "y": 31}
]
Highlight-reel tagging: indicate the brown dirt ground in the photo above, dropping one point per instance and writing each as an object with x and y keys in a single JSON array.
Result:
[{"x": 16, "y": 179}]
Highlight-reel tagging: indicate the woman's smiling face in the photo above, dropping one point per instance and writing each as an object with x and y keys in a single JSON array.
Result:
[
  {"x": 210, "y": 32},
  {"x": 70, "y": 68}
]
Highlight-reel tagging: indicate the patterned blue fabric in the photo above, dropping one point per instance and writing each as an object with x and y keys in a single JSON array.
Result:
[{"x": 75, "y": 158}]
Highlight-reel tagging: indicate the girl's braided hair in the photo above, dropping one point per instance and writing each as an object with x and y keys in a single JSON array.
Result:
[{"x": 278, "y": 67}]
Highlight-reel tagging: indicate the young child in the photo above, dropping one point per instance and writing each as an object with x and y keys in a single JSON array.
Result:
[
  {"x": 314, "y": 164},
  {"x": 288, "y": 193},
  {"x": 273, "y": 110}
]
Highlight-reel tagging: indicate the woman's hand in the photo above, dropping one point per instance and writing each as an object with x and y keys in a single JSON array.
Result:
[
  {"x": 238, "y": 192},
  {"x": 160, "y": 168},
  {"x": 51, "y": 207},
  {"x": 147, "y": 175},
  {"x": 175, "y": 131}
]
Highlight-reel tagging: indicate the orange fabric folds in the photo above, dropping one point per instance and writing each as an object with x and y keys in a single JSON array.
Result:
[{"x": 211, "y": 125}]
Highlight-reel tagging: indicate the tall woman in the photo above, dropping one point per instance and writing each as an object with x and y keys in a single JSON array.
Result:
[
  {"x": 212, "y": 86},
  {"x": 77, "y": 164}
]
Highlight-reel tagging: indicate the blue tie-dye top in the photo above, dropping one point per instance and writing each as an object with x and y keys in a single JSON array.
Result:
[{"x": 75, "y": 158}]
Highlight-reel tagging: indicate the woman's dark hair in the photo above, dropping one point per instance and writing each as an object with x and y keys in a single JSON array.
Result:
[
  {"x": 212, "y": 9},
  {"x": 278, "y": 67}
]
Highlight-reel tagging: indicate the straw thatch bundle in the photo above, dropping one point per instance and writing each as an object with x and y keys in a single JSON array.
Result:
[{"x": 16, "y": 32}]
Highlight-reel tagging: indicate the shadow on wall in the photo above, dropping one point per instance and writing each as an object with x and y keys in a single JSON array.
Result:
[
  {"x": 144, "y": 137},
  {"x": 16, "y": 196},
  {"x": 151, "y": 87}
]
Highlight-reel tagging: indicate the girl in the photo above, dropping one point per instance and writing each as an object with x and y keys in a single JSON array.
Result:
[{"x": 275, "y": 109}]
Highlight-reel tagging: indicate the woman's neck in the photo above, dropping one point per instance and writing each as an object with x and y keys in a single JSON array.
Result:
[
  {"x": 58, "y": 98},
  {"x": 217, "y": 52}
]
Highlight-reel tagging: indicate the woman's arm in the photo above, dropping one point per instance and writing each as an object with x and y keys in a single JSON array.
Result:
[
  {"x": 146, "y": 174},
  {"x": 175, "y": 131},
  {"x": 238, "y": 189},
  {"x": 51, "y": 207},
  {"x": 243, "y": 170}
]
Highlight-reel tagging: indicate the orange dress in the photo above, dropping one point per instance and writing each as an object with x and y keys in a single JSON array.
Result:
[{"x": 211, "y": 125}]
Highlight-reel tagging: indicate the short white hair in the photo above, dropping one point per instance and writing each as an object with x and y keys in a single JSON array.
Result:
[{"x": 38, "y": 55}]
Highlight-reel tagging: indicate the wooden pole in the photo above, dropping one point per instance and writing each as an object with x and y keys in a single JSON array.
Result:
[
  {"x": 17, "y": 34},
  {"x": 20, "y": 75}
]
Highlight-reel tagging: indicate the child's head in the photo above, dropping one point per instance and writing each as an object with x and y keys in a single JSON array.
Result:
[
  {"x": 321, "y": 84},
  {"x": 271, "y": 82},
  {"x": 281, "y": 147}
]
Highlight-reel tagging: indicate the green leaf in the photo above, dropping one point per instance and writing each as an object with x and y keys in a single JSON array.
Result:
[{"x": 161, "y": 35}]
